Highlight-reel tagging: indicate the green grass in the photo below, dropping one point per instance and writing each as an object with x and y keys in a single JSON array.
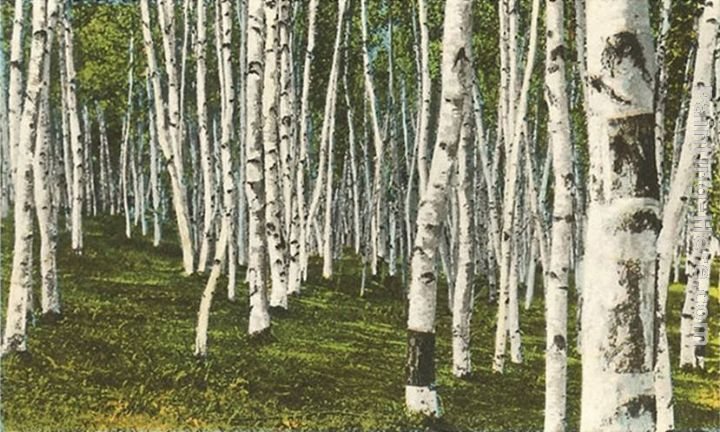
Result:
[{"x": 121, "y": 358}]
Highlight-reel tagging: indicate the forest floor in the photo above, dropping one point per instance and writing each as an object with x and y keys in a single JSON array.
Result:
[{"x": 121, "y": 357}]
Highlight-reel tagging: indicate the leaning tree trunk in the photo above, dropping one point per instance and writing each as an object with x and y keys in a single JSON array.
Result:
[
  {"x": 376, "y": 229},
  {"x": 168, "y": 143},
  {"x": 680, "y": 183},
  {"x": 420, "y": 393},
  {"x": 259, "y": 320},
  {"x": 227, "y": 114},
  {"x": 15, "y": 337},
  {"x": 561, "y": 235},
  {"x": 618, "y": 320}
]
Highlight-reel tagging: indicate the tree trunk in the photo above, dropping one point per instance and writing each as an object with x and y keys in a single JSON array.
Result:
[
  {"x": 168, "y": 143},
  {"x": 259, "y": 320},
  {"x": 76, "y": 134},
  {"x": 273, "y": 206},
  {"x": 15, "y": 336},
  {"x": 420, "y": 394},
  {"x": 44, "y": 181},
  {"x": 556, "y": 290},
  {"x": 464, "y": 292},
  {"x": 619, "y": 285},
  {"x": 206, "y": 156}
]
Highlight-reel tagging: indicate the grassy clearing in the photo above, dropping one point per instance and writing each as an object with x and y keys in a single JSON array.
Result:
[{"x": 121, "y": 358}]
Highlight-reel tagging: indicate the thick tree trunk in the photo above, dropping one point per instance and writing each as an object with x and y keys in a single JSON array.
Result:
[
  {"x": 420, "y": 394},
  {"x": 618, "y": 320},
  {"x": 259, "y": 319},
  {"x": 15, "y": 336}
]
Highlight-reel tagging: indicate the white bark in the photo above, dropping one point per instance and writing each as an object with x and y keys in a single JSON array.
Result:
[
  {"x": 464, "y": 292},
  {"x": 619, "y": 281},
  {"x": 76, "y": 134},
  {"x": 15, "y": 83},
  {"x": 681, "y": 181},
  {"x": 15, "y": 336},
  {"x": 206, "y": 156},
  {"x": 556, "y": 289},
  {"x": 420, "y": 395},
  {"x": 224, "y": 244},
  {"x": 168, "y": 143},
  {"x": 327, "y": 142},
  {"x": 423, "y": 135},
  {"x": 507, "y": 288},
  {"x": 44, "y": 180},
  {"x": 376, "y": 229},
  {"x": 304, "y": 143},
  {"x": 276, "y": 243},
  {"x": 259, "y": 319}
]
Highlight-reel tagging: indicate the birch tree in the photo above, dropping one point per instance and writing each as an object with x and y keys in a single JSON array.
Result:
[
  {"x": 15, "y": 335},
  {"x": 168, "y": 140},
  {"x": 259, "y": 320},
  {"x": 680, "y": 183},
  {"x": 227, "y": 114},
  {"x": 206, "y": 156},
  {"x": 276, "y": 241},
  {"x": 464, "y": 293},
  {"x": 44, "y": 180},
  {"x": 420, "y": 393},
  {"x": 619, "y": 287},
  {"x": 76, "y": 134},
  {"x": 561, "y": 234}
]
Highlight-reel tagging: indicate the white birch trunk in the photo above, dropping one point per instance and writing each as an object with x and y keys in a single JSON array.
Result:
[
  {"x": 15, "y": 335},
  {"x": 556, "y": 289},
  {"x": 423, "y": 132},
  {"x": 259, "y": 320},
  {"x": 44, "y": 181},
  {"x": 672, "y": 211},
  {"x": 304, "y": 143},
  {"x": 464, "y": 292},
  {"x": 619, "y": 281},
  {"x": 15, "y": 84},
  {"x": 420, "y": 393},
  {"x": 376, "y": 230},
  {"x": 511, "y": 182},
  {"x": 168, "y": 143},
  {"x": 206, "y": 155},
  {"x": 276, "y": 243},
  {"x": 76, "y": 134}
]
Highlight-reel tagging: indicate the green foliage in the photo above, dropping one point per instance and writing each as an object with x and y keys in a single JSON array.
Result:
[{"x": 121, "y": 357}]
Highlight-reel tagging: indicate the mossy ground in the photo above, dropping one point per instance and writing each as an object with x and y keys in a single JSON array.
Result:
[{"x": 121, "y": 357}]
